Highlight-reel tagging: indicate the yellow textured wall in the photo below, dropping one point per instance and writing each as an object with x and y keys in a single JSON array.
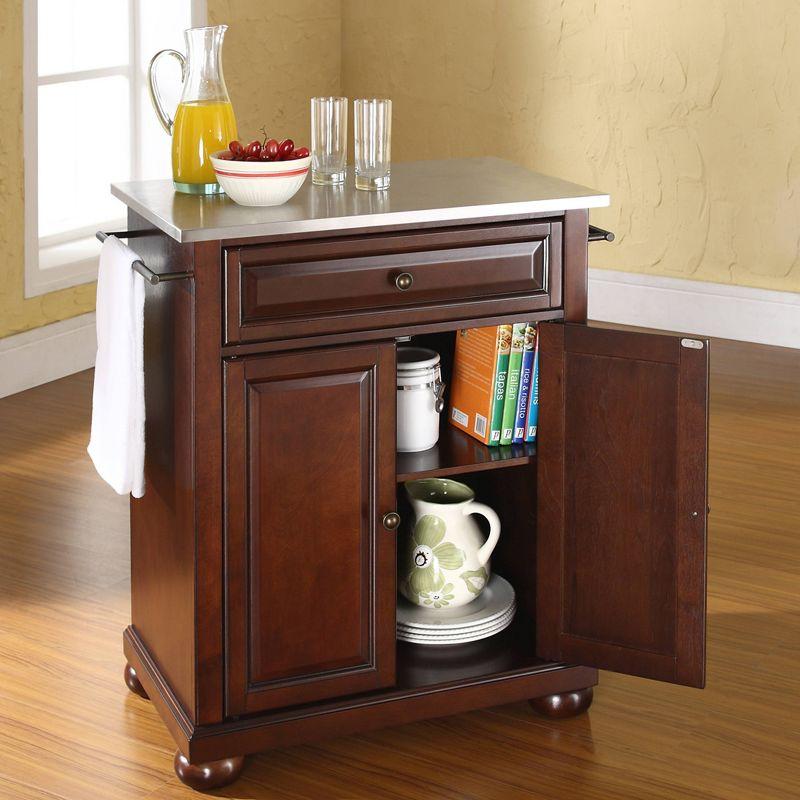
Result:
[
  {"x": 687, "y": 112},
  {"x": 277, "y": 55}
]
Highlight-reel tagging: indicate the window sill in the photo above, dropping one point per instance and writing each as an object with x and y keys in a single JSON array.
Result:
[{"x": 61, "y": 266}]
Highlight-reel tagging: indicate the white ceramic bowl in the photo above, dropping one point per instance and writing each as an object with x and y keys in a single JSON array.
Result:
[{"x": 260, "y": 183}]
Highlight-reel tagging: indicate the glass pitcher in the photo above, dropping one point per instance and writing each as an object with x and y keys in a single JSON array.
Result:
[{"x": 204, "y": 121}]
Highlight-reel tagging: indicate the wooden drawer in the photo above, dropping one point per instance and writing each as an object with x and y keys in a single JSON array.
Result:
[{"x": 293, "y": 289}]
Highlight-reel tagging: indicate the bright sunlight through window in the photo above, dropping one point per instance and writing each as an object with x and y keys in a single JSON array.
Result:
[{"x": 88, "y": 122}]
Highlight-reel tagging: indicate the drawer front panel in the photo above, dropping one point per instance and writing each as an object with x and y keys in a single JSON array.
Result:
[{"x": 313, "y": 288}]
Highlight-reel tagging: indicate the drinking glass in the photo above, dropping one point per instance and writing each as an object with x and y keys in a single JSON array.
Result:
[
  {"x": 328, "y": 140},
  {"x": 372, "y": 122}
]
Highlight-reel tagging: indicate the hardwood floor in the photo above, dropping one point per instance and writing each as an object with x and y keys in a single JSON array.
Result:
[{"x": 69, "y": 728}]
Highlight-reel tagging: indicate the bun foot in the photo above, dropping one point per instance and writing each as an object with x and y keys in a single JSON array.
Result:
[
  {"x": 210, "y": 775},
  {"x": 132, "y": 682},
  {"x": 561, "y": 706}
]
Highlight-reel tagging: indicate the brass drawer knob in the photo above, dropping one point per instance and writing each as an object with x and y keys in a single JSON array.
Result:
[
  {"x": 403, "y": 281},
  {"x": 391, "y": 521}
]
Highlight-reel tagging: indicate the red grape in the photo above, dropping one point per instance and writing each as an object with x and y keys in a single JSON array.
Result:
[
  {"x": 285, "y": 149},
  {"x": 271, "y": 147},
  {"x": 268, "y": 150}
]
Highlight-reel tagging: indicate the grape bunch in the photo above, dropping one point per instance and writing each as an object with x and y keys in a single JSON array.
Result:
[{"x": 266, "y": 150}]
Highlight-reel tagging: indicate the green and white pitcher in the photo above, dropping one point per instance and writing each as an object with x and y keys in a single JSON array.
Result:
[{"x": 443, "y": 561}]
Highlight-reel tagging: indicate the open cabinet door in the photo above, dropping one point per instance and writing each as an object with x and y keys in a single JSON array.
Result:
[{"x": 622, "y": 501}]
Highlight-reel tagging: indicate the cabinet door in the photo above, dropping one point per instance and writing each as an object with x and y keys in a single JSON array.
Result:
[
  {"x": 310, "y": 569},
  {"x": 622, "y": 501}
]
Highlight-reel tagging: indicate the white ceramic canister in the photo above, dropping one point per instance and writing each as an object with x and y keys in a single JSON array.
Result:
[{"x": 420, "y": 393}]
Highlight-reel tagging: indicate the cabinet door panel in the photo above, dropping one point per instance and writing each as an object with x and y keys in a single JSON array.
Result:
[
  {"x": 310, "y": 570},
  {"x": 622, "y": 502}
]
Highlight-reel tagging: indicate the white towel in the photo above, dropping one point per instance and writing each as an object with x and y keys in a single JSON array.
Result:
[{"x": 116, "y": 443}]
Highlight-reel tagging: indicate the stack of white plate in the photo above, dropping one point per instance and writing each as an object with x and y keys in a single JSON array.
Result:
[{"x": 491, "y": 612}]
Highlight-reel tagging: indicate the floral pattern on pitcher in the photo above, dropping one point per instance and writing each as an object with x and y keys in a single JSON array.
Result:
[
  {"x": 426, "y": 556},
  {"x": 475, "y": 579},
  {"x": 440, "y": 598}
]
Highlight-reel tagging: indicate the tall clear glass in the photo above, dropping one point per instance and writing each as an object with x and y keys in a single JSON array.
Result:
[
  {"x": 204, "y": 121},
  {"x": 328, "y": 140},
  {"x": 372, "y": 123}
]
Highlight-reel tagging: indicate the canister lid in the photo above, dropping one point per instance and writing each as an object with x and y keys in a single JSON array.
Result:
[{"x": 414, "y": 358}]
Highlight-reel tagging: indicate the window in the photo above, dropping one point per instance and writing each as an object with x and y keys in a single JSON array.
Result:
[{"x": 88, "y": 122}]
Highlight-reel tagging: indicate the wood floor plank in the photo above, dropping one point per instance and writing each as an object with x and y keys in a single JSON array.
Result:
[
  {"x": 70, "y": 729},
  {"x": 23, "y": 791}
]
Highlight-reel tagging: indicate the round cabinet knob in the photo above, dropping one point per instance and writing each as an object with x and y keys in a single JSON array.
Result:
[
  {"x": 391, "y": 521},
  {"x": 403, "y": 281}
]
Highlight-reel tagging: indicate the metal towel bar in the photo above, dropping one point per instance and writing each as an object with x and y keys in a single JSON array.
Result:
[
  {"x": 599, "y": 235},
  {"x": 153, "y": 278}
]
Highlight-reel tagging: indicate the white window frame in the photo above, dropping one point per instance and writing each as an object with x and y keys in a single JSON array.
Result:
[{"x": 41, "y": 279}]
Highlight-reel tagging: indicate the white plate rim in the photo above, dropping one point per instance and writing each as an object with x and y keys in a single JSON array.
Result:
[
  {"x": 474, "y": 637},
  {"x": 498, "y": 624},
  {"x": 446, "y": 630},
  {"x": 456, "y": 620},
  {"x": 456, "y": 630},
  {"x": 459, "y": 635},
  {"x": 456, "y": 627}
]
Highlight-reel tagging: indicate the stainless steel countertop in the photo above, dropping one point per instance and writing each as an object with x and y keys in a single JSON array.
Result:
[{"x": 421, "y": 192}]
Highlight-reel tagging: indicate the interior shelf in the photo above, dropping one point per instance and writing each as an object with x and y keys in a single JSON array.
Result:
[
  {"x": 420, "y": 666},
  {"x": 457, "y": 453}
]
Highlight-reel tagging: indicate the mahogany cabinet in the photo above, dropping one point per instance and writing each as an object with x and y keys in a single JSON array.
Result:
[
  {"x": 310, "y": 578},
  {"x": 263, "y": 559}
]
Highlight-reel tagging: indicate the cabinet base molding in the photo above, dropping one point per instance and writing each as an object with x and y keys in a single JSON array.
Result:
[
  {"x": 204, "y": 744},
  {"x": 133, "y": 683},
  {"x": 210, "y": 775},
  {"x": 158, "y": 691},
  {"x": 564, "y": 704}
]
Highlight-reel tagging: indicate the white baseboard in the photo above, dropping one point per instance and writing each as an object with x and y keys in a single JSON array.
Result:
[
  {"x": 707, "y": 309},
  {"x": 45, "y": 354}
]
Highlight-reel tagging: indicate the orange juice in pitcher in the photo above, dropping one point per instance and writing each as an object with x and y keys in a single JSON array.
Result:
[
  {"x": 204, "y": 121},
  {"x": 200, "y": 128}
]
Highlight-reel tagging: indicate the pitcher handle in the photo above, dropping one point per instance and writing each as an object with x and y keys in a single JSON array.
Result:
[
  {"x": 166, "y": 121},
  {"x": 494, "y": 529}
]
